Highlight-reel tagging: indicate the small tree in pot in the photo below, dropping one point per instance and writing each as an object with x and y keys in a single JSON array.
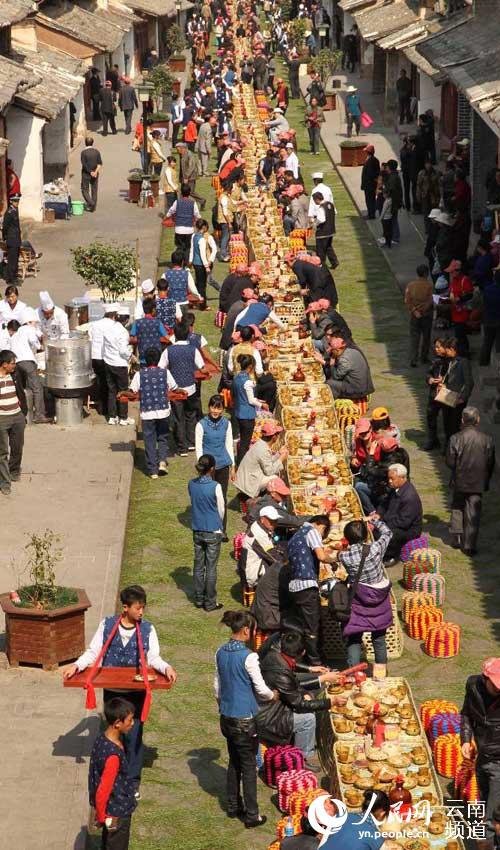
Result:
[
  {"x": 163, "y": 83},
  {"x": 176, "y": 44},
  {"x": 296, "y": 33},
  {"x": 109, "y": 267},
  {"x": 325, "y": 64}
]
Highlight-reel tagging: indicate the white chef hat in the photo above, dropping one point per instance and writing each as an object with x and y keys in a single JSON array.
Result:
[
  {"x": 318, "y": 175},
  {"x": 30, "y": 315},
  {"x": 46, "y": 302},
  {"x": 123, "y": 310},
  {"x": 147, "y": 286},
  {"x": 111, "y": 308}
]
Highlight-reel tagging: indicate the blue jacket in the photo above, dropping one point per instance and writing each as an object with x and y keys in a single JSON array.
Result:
[
  {"x": 303, "y": 562},
  {"x": 122, "y": 801},
  {"x": 124, "y": 656}
]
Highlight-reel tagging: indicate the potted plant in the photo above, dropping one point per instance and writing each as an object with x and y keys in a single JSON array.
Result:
[
  {"x": 325, "y": 64},
  {"x": 352, "y": 152},
  {"x": 176, "y": 44},
  {"x": 163, "y": 83},
  {"x": 109, "y": 267},
  {"x": 136, "y": 178},
  {"x": 296, "y": 36},
  {"x": 160, "y": 120},
  {"x": 44, "y": 621}
]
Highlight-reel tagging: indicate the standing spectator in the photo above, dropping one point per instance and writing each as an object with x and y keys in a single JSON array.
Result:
[
  {"x": 325, "y": 230},
  {"x": 315, "y": 117},
  {"x": 96, "y": 331},
  {"x": 395, "y": 190},
  {"x": 418, "y": 299},
  {"x": 108, "y": 108},
  {"x": 238, "y": 683},
  {"x": 11, "y": 234},
  {"x": 428, "y": 191},
  {"x": 170, "y": 182},
  {"x": 435, "y": 376},
  {"x": 461, "y": 292},
  {"x": 369, "y": 177},
  {"x": 225, "y": 220},
  {"x": 448, "y": 185},
  {"x": 471, "y": 457},
  {"x": 386, "y": 219},
  {"x": 188, "y": 171},
  {"x": 207, "y": 516},
  {"x": 91, "y": 161},
  {"x": 204, "y": 143},
  {"x": 25, "y": 341},
  {"x": 353, "y": 110},
  {"x": 183, "y": 360},
  {"x": 95, "y": 94},
  {"x": 176, "y": 113},
  {"x": 316, "y": 89},
  {"x": 214, "y": 436},
  {"x": 13, "y": 410},
  {"x": 350, "y": 49},
  {"x": 116, "y": 353},
  {"x": 153, "y": 385},
  {"x": 185, "y": 212},
  {"x": 408, "y": 159},
  {"x": 403, "y": 513},
  {"x": 13, "y": 182},
  {"x": 202, "y": 255},
  {"x": 457, "y": 378},
  {"x": 127, "y": 101},
  {"x": 156, "y": 155},
  {"x": 245, "y": 403},
  {"x": 490, "y": 320},
  {"x": 403, "y": 88},
  {"x": 281, "y": 94},
  {"x": 293, "y": 72}
]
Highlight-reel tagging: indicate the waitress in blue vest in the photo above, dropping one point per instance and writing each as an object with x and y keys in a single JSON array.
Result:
[
  {"x": 185, "y": 212},
  {"x": 238, "y": 685},
  {"x": 214, "y": 436},
  {"x": 207, "y": 517},
  {"x": 305, "y": 551},
  {"x": 148, "y": 332},
  {"x": 183, "y": 361},
  {"x": 123, "y": 651},
  {"x": 245, "y": 403},
  {"x": 180, "y": 282}
]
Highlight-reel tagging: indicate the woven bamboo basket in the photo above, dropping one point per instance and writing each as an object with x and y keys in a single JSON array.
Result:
[
  {"x": 292, "y": 394},
  {"x": 334, "y": 647},
  {"x": 296, "y": 418},
  {"x": 330, "y": 440}
]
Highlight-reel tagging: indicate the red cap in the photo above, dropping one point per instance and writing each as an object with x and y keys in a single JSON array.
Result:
[
  {"x": 388, "y": 444},
  {"x": 369, "y": 149},
  {"x": 491, "y": 669},
  {"x": 279, "y": 486},
  {"x": 270, "y": 428}
]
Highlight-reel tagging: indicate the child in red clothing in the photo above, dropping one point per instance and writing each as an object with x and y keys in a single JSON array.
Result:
[{"x": 111, "y": 792}]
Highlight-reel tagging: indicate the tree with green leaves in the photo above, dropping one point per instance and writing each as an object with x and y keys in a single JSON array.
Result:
[
  {"x": 163, "y": 82},
  {"x": 110, "y": 267},
  {"x": 325, "y": 63},
  {"x": 175, "y": 40}
]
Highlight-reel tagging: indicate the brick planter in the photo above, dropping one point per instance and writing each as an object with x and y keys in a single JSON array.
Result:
[
  {"x": 177, "y": 63},
  {"x": 46, "y": 638},
  {"x": 352, "y": 153},
  {"x": 331, "y": 102}
]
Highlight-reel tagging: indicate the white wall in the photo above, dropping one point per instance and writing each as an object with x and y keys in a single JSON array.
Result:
[
  {"x": 128, "y": 49},
  {"x": 25, "y": 133},
  {"x": 56, "y": 142},
  {"x": 80, "y": 122},
  {"x": 430, "y": 96}
]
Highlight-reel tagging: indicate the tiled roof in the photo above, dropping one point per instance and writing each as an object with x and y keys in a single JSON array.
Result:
[
  {"x": 93, "y": 28},
  {"x": 13, "y": 78},
  {"x": 384, "y": 19},
  {"x": 12, "y": 11},
  {"x": 351, "y": 5},
  {"x": 157, "y": 8},
  {"x": 59, "y": 77}
]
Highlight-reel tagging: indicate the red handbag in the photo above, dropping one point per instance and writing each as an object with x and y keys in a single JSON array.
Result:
[{"x": 168, "y": 221}]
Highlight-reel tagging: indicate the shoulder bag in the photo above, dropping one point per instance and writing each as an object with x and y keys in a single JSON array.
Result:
[
  {"x": 342, "y": 593},
  {"x": 445, "y": 396}
]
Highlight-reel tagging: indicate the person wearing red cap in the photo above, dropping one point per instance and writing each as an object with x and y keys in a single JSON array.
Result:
[
  {"x": 481, "y": 724},
  {"x": 461, "y": 291},
  {"x": 261, "y": 462},
  {"x": 369, "y": 177},
  {"x": 275, "y": 496}
]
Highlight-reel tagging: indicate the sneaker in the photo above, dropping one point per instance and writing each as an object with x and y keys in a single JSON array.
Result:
[
  {"x": 381, "y": 240},
  {"x": 137, "y": 795},
  {"x": 182, "y": 454},
  {"x": 216, "y": 607},
  {"x": 42, "y": 420},
  {"x": 15, "y": 476},
  {"x": 163, "y": 467},
  {"x": 113, "y": 420},
  {"x": 191, "y": 448},
  {"x": 127, "y": 421},
  {"x": 5, "y": 490},
  {"x": 154, "y": 476},
  {"x": 395, "y": 241}
]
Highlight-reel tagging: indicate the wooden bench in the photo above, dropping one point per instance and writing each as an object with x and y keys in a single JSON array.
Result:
[{"x": 28, "y": 265}]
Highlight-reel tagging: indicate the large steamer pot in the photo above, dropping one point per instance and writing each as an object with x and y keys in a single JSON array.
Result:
[
  {"x": 77, "y": 312},
  {"x": 69, "y": 365}
]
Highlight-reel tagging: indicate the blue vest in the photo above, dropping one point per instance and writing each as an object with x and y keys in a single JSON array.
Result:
[
  {"x": 121, "y": 802},
  {"x": 181, "y": 364},
  {"x": 303, "y": 561},
  {"x": 204, "y": 513},
  {"x": 255, "y": 315},
  {"x": 214, "y": 440},
  {"x": 197, "y": 261},
  {"x": 154, "y": 389},
  {"x": 184, "y": 212},
  {"x": 195, "y": 339},
  {"x": 242, "y": 407},
  {"x": 236, "y": 696},
  {"x": 124, "y": 656},
  {"x": 165, "y": 310},
  {"x": 148, "y": 335},
  {"x": 177, "y": 280}
]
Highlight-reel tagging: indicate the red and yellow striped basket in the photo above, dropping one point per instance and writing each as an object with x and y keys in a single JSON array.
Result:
[
  {"x": 447, "y": 755},
  {"x": 420, "y": 621},
  {"x": 411, "y": 602},
  {"x": 466, "y": 784},
  {"x": 248, "y": 596},
  {"x": 419, "y": 562},
  {"x": 431, "y": 583},
  {"x": 275, "y": 845},
  {"x": 436, "y": 706},
  {"x": 260, "y": 637},
  {"x": 294, "y": 780},
  {"x": 443, "y": 640},
  {"x": 299, "y": 801},
  {"x": 281, "y": 825}
]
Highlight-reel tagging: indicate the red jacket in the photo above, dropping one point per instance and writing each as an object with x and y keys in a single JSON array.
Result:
[{"x": 460, "y": 286}]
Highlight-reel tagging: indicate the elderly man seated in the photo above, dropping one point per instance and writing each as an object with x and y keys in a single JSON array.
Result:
[
  {"x": 257, "y": 545},
  {"x": 350, "y": 375},
  {"x": 403, "y": 513}
]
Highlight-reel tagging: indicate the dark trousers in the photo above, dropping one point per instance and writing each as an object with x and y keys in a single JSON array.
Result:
[
  {"x": 246, "y": 427},
  {"x": 324, "y": 250},
  {"x": 460, "y": 332},
  {"x": 452, "y": 417},
  {"x": 308, "y": 608},
  {"x": 491, "y": 336},
  {"x": 488, "y": 778},
  {"x": 294, "y": 86},
  {"x": 31, "y": 379},
  {"x": 127, "y": 114},
  {"x": 170, "y": 199},
  {"x": 314, "y": 138},
  {"x": 433, "y": 411},
  {"x": 184, "y": 413},
  {"x": 370, "y": 201},
  {"x": 101, "y": 386},
  {"x": 108, "y": 118},
  {"x": 11, "y": 446},
  {"x": 183, "y": 242},
  {"x": 465, "y": 517},
  {"x": 404, "y": 110},
  {"x": 206, "y": 556},
  {"x": 116, "y": 839},
  {"x": 410, "y": 191},
  {"x": 420, "y": 337},
  {"x": 354, "y": 648},
  {"x": 200, "y": 277},
  {"x": 242, "y": 745},
  {"x": 222, "y": 478},
  {"x": 12, "y": 263},
  {"x": 90, "y": 186},
  {"x": 387, "y": 231},
  {"x": 96, "y": 108},
  {"x": 155, "y": 436},
  {"x": 117, "y": 381},
  {"x": 134, "y": 748},
  {"x": 175, "y": 134},
  {"x": 399, "y": 538}
]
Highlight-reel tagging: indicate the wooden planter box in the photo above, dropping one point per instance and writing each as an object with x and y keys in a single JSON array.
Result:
[
  {"x": 46, "y": 638},
  {"x": 352, "y": 154},
  {"x": 331, "y": 102},
  {"x": 177, "y": 63},
  {"x": 176, "y": 87},
  {"x": 160, "y": 124}
]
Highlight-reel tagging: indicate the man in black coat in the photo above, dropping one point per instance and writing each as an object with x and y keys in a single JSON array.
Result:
[
  {"x": 315, "y": 280},
  {"x": 481, "y": 722},
  {"x": 369, "y": 177},
  {"x": 95, "y": 94},
  {"x": 403, "y": 88},
  {"x": 127, "y": 101},
  {"x": 293, "y": 77},
  {"x": 471, "y": 458},
  {"x": 12, "y": 421},
  {"x": 11, "y": 235},
  {"x": 108, "y": 107},
  {"x": 403, "y": 513},
  {"x": 325, "y": 230}
]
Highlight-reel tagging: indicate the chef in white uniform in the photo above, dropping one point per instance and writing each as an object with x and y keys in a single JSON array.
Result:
[
  {"x": 53, "y": 320},
  {"x": 325, "y": 190}
]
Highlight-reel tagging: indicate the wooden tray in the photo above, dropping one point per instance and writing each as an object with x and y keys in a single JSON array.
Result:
[
  {"x": 332, "y": 436},
  {"x": 118, "y": 678}
]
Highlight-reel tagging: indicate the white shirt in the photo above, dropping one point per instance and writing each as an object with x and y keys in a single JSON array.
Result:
[
  {"x": 7, "y": 313},
  {"x": 252, "y": 666},
  {"x": 208, "y": 249},
  {"x": 135, "y": 386},
  {"x": 327, "y": 196},
  {"x": 292, "y": 164},
  {"x": 198, "y": 362},
  {"x": 314, "y": 541},
  {"x": 182, "y": 229},
  {"x": 96, "y": 335},
  {"x": 256, "y": 356},
  {"x": 116, "y": 350},
  {"x": 25, "y": 343},
  {"x": 57, "y": 326},
  {"x": 198, "y": 441},
  {"x": 255, "y": 566},
  {"x": 153, "y": 657}
]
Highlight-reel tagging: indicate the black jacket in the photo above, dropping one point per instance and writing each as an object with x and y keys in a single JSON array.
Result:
[
  {"x": 370, "y": 172},
  {"x": 471, "y": 458},
  {"x": 231, "y": 290},
  {"x": 271, "y": 596},
  {"x": 127, "y": 98},
  {"x": 108, "y": 98},
  {"x": 18, "y": 383},
  {"x": 404, "y": 510},
  {"x": 327, "y": 227},
  {"x": 459, "y": 377},
  {"x": 275, "y": 721},
  {"x": 11, "y": 229},
  {"x": 395, "y": 190},
  {"x": 479, "y": 722}
]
